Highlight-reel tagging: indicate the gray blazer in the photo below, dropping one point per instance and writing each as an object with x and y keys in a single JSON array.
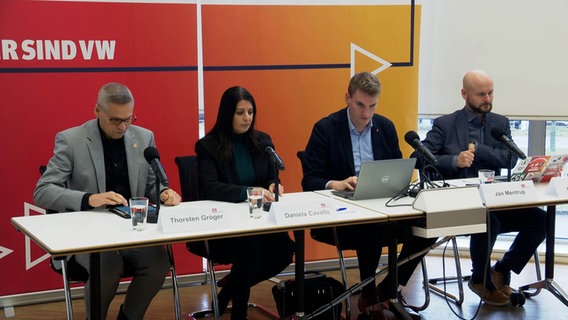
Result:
[{"x": 77, "y": 167}]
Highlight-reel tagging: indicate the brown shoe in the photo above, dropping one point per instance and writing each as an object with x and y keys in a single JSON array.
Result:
[
  {"x": 502, "y": 281},
  {"x": 491, "y": 297}
]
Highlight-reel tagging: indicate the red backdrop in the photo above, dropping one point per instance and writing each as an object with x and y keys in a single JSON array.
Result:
[
  {"x": 154, "y": 55},
  {"x": 296, "y": 60}
]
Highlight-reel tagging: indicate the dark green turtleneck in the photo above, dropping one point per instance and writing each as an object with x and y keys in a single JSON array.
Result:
[{"x": 244, "y": 165}]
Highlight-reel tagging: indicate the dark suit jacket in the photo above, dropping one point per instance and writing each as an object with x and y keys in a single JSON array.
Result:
[
  {"x": 329, "y": 153},
  {"x": 449, "y": 136},
  {"x": 329, "y": 156},
  {"x": 218, "y": 180}
]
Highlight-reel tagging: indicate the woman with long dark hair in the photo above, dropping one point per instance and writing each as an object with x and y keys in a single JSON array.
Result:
[{"x": 230, "y": 159}]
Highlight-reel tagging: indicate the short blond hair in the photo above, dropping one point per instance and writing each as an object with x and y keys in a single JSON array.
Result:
[{"x": 366, "y": 82}]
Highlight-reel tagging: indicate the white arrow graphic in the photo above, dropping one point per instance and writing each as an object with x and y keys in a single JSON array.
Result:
[
  {"x": 355, "y": 48},
  {"x": 4, "y": 252},
  {"x": 29, "y": 262}
]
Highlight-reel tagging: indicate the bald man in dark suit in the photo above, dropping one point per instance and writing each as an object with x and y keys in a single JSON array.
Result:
[{"x": 462, "y": 144}]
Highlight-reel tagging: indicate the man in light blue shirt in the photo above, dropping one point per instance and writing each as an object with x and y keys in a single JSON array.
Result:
[{"x": 339, "y": 143}]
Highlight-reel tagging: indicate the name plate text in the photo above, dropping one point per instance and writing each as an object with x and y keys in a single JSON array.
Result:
[
  {"x": 508, "y": 193},
  {"x": 301, "y": 212},
  {"x": 558, "y": 186},
  {"x": 205, "y": 217}
]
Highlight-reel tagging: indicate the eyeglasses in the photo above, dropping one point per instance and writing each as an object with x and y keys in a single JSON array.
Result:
[{"x": 118, "y": 121}]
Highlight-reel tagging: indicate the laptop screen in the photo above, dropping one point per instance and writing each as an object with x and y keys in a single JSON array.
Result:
[
  {"x": 540, "y": 168},
  {"x": 383, "y": 178}
]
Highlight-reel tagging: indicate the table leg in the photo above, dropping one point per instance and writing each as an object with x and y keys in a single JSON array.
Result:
[
  {"x": 394, "y": 305},
  {"x": 299, "y": 237},
  {"x": 95, "y": 282},
  {"x": 548, "y": 283}
]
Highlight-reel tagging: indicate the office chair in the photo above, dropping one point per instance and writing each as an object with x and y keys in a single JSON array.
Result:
[
  {"x": 335, "y": 242},
  {"x": 73, "y": 272},
  {"x": 430, "y": 284},
  {"x": 187, "y": 168}
]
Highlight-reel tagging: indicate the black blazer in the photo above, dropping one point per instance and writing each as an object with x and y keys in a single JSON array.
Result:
[
  {"x": 218, "y": 180},
  {"x": 329, "y": 153}
]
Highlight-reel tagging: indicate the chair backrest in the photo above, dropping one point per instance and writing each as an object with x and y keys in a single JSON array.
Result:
[
  {"x": 300, "y": 154},
  {"x": 75, "y": 271},
  {"x": 187, "y": 168}
]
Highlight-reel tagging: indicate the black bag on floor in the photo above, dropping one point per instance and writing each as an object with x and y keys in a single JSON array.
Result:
[{"x": 318, "y": 291}]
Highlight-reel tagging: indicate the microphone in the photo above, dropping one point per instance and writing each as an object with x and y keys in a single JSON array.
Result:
[
  {"x": 413, "y": 140},
  {"x": 153, "y": 157},
  {"x": 269, "y": 148},
  {"x": 499, "y": 135}
]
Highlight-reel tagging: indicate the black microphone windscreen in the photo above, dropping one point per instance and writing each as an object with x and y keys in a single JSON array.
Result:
[
  {"x": 151, "y": 153},
  {"x": 410, "y": 136},
  {"x": 497, "y": 133}
]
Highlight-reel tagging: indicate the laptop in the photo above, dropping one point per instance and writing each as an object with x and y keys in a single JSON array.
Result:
[
  {"x": 380, "y": 179},
  {"x": 540, "y": 168}
]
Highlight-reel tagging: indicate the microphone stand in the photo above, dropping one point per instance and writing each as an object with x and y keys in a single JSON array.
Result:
[
  {"x": 509, "y": 167},
  {"x": 266, "y": 206},
  {"x": 276, "y": 184},
  {"x": 421, "y": 172},
  {"x": 158, "y": 182},
  {"x": 412, "y": 192}
]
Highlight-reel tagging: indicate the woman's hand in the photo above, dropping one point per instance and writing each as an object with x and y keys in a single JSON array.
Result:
[{"x": 269, "y": 194}]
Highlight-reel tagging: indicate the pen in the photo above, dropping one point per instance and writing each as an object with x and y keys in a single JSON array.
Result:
[{"x": 341, "y": 209}]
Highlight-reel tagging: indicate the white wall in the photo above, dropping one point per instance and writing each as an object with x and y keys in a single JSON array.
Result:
[{"x": 523, "y": 44}]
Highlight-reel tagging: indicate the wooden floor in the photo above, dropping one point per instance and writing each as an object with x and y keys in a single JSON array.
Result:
[{"x": 542, "y": 306}]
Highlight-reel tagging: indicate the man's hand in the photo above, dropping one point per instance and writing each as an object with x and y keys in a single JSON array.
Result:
[
  {"x": 170, "y": 198},
  {"x": 347, "y": 184},
  {"x": 465, "y": 159},
  {"x": 107, "y": 198}
]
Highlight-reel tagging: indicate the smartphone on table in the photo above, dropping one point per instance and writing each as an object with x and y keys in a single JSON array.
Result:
[{"x": 124, "y": 211}]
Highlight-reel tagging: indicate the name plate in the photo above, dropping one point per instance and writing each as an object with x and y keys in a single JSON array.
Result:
[
  {"x": 558, "y": 186},
  {"x": 508, "y": 193},
  {"x": 183, "y": 219},
  {"x": 304, "y": 211}
]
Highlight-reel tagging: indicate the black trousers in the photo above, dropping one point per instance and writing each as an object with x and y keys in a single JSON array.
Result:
[
  {"x": 530, "y": 223},
  {"x": 253, "y": 258},
  {"x": 368, "y": 240}
]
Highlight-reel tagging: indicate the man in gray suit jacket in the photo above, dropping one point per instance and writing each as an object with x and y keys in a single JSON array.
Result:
[
  {"x": 463, "y": 144},
  {"x": 98, "y": 164}
]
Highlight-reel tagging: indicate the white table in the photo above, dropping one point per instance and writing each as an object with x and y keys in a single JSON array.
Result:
[
  {"x": 543, "y": 199},
  {"x": 94, "y": 232}
]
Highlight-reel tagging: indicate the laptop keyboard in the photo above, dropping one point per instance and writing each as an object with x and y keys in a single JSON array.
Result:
[{"x": 344, "y": 194}]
